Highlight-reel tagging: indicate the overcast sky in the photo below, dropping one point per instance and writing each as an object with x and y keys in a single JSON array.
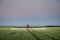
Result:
[{"x": 33, "y": 12}]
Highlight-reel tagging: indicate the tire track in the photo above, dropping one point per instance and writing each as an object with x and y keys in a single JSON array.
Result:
[
  {"x": 13, "y": 33},
  {"x": 51, "y": 37},
  {"x": 34, "y": 35},
  {"x": 0, "y": 38},
  {"x": 48, "y": 36},
  {"x": 21, "y": 37}
]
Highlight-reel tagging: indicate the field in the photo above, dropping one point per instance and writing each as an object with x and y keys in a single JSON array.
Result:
[{"x": 45, "y": 33}]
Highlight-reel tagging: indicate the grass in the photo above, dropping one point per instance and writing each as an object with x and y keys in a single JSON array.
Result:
[{"x": 46, "y": 33}]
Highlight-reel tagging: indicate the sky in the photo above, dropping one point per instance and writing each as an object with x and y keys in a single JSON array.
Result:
[{"x": 32, "y": 12}]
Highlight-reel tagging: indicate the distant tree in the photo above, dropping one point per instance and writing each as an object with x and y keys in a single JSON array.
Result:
[
  {"x": 52, "y": 26},
  {"x": 58, "y": 26}
]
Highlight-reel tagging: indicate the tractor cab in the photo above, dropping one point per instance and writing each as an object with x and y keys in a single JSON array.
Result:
[{"x": 27, "y": 26}]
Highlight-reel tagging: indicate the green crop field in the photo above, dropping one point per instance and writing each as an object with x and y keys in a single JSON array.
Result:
[{"x": 45, "y": 33}]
